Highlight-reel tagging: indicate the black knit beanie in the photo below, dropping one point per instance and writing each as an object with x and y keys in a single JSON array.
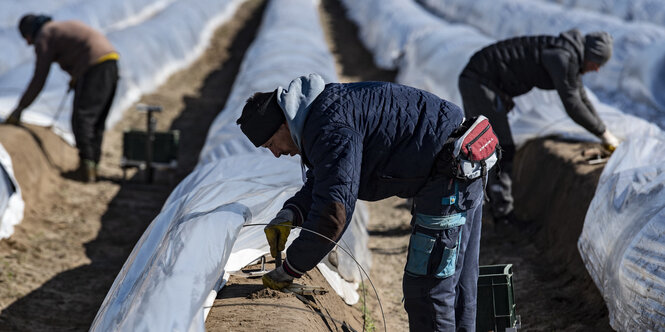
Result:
[
  {"x": 261, "y": 117},
  {"x": 30, "y": 24},
  {"x": 598, "y": 47}
]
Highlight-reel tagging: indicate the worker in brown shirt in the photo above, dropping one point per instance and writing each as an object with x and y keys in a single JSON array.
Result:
[{"x": 91, "y": 61}]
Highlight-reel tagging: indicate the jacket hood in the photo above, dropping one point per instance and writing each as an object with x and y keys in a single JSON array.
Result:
[
  {"x": 575, "y": 38},
  {"x": 296, "y": 101}
]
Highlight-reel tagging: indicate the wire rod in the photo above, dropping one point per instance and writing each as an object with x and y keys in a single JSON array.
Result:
[{"x": 352, "y": 257}]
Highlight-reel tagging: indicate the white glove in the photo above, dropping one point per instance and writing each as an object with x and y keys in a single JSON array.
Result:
[{"x": 609, "y": 140}]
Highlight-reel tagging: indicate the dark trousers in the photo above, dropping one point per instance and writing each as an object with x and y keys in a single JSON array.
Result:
[
  {"x": 447, "y": 301},
  {"x": 92, "y": 100},
  {"x": 478, "y": 99}
]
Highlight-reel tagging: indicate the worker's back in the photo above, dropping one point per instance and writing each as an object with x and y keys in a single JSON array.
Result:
[
  {"x": 514, "y": 66},
  {"x": 72, "y": 44},
  {"x": 402, "y": 130}
]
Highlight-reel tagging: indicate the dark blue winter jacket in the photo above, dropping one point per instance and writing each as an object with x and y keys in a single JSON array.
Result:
[{"x": 368, "y": 140}]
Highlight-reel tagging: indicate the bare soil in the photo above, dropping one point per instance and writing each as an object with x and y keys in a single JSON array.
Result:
[
  {"x": 58, "y": 266},
  {"x": 245, "y": 305}
]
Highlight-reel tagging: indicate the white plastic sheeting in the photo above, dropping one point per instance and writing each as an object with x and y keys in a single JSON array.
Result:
[
  {"x": 154, "y": 38},
  {"x": 388, "y": 42},
  {"x": 624, "y": 74},
  {"x": 181, "y": 256},
  {"x": 11, "y": 201},
  {"x": 630, "y": 10},
  {"x": 429, "y": 53},
  {"x": 622, "y": 241},
  {"x": 199, "y": 233},
  {"x": 12, "y": 10}
]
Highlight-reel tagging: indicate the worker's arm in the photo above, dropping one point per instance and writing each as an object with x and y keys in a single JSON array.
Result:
[
  {"x": 42, "y": 68},
  {"x": 302, "y": 200},
  {"x": 337, "y": 159},
  {"x": 292, "y": 214},
  {"x": 568, "y": 83}
]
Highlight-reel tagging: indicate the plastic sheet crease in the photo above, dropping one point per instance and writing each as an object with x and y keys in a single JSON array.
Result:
[{"x": 11, "y": 201}]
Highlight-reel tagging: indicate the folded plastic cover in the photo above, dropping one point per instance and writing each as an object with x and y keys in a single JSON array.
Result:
[
  {"x": 11, "y": 201},
  {"x": 154, "y": 38},
  {"x": 622, "y": 241},
  {"x": 181, "y": 256}
]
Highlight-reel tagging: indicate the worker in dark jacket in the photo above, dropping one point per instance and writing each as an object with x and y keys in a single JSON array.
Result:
[
  {"x": 509, "y": 68},
  {"x": 370, "y": 141},
  {"x": 91, "y": 61}
]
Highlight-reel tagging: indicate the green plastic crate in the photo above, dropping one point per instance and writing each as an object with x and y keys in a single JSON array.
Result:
[
  {"x": 496, "y": 301},
  {"x": 164, "y": 148}
]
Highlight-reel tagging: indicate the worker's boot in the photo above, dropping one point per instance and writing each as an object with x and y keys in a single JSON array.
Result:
[{"x": 87, "y": 171}]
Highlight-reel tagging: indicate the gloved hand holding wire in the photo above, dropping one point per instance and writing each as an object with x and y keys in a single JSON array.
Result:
[
  {"x": 277, "y": 279},
  {"x": 277, "y": 231},
  {"x": 609, "y": 141}
]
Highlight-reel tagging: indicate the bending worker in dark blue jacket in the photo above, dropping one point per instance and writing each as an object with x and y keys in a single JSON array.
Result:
[{"x": 370, "y": 141}]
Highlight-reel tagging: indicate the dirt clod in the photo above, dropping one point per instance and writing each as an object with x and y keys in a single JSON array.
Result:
[{"x": 267, "y": 293}]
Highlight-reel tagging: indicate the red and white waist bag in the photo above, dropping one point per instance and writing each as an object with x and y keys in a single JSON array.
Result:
[{"x": 476, "y": 150}]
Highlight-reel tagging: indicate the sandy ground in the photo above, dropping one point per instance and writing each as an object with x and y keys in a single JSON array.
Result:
[
  {"x": 245, "y": 305},
  {"x": 57, "y": 267}
]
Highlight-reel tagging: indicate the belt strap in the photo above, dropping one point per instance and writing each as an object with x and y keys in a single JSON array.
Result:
[
  {"x": 107, "y": 57},
  {"x": 440, "y": 222}
]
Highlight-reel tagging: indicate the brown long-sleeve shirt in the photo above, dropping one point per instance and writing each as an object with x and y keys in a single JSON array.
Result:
[{"x": 72, "y": 44}]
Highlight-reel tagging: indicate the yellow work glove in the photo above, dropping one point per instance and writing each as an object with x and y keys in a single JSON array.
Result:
[
  {"x": 277, "y": 279},
  {"x": 277, "y": 232}
]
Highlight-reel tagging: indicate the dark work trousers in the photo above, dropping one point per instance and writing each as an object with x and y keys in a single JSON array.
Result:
[
  {"x": 446, "y": 251},
  {"x": 92, "y": 100},
  {"x": 478, "y": 99}
]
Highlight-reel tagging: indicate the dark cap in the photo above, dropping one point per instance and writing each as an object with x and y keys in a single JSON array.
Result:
[
  {"x": 598, "y": 47},
  {"x": 261, "y": 117},
  {"x": 30, "y": 24}
]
